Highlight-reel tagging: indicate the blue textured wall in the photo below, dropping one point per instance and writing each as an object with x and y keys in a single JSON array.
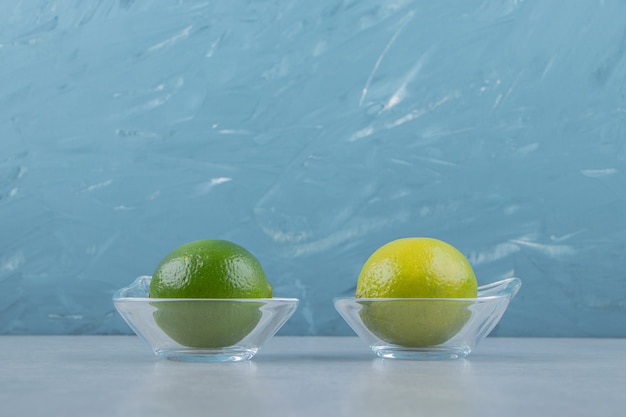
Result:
[{"x": 312, "y": 133}]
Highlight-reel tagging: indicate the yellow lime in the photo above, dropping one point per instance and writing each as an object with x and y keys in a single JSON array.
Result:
[
  {"x": 417, "y": 267},
  {"x": 208, "y": 269}
]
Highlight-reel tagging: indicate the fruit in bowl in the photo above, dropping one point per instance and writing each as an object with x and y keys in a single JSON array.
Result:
[
  {"x": 204, "y": 283},
  {"x": 416, "y": 268}
]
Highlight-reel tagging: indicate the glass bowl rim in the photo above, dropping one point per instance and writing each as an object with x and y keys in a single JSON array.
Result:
[
  {"x": 118, "y": 297},
  {"x": 510, "y": 287},
  {"x": 160, "y": 300}
]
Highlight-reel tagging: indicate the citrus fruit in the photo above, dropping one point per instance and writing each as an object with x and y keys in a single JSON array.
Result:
[
  {"x": 200, "y": 280},
  {"x": 410, "y": 268},
  {"x": 210, "y": 269},
  {"x": 207, "y": 323}
]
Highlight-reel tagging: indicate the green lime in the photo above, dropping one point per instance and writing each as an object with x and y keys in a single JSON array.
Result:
[
  {"x": 416, "y": 268},
  {"x": 207, "y": 324},
  {"x": 208, "y": 269}
]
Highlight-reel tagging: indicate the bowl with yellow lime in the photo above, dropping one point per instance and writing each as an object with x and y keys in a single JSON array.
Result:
[
  {"x": 206, "y": 301},
  {"x": 418, "y": 298}
]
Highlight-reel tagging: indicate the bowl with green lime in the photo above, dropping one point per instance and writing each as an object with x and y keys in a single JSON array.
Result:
[
  {"x": 207, "y": 301},
  {"x": 418, "y": 298}
]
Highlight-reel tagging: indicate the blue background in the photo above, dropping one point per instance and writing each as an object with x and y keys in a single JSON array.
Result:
[{"x": 312, "y": 133}]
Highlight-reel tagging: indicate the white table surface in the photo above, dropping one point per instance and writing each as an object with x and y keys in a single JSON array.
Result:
[{"x": 311, "y": 376}]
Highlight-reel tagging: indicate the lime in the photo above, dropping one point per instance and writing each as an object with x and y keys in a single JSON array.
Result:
[
  {"x": 416, "y": 267},
  {"x": 208, "y": 269},
  {"x": 207, "y": 323}
]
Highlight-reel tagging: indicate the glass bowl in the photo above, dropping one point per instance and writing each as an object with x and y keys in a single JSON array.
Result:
[
  {"x": 427, "y": 328},
  {"x": 201, "y": 330}
]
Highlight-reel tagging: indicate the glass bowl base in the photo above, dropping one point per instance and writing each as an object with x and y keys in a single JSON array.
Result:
[
  {"x": 229, "y": 354},
  {"x": 425, "y": 353}
]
